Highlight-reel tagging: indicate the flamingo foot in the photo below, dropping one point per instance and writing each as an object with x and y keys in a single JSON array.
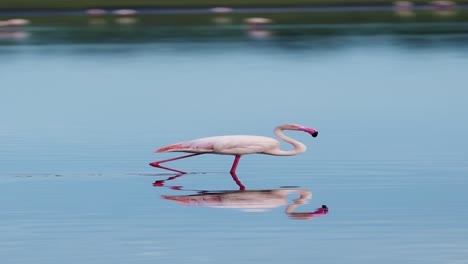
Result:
[{"x": 156, "y": 165}]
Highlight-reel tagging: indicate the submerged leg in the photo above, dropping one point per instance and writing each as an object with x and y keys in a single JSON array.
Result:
[
  {"x": 156, "y": 163},
  {"x": 238, "y": 182},
  {"x": 234, "y": 165}
]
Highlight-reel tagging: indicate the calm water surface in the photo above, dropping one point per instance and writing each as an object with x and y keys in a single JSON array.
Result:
[{"x": 80, "y": 118}]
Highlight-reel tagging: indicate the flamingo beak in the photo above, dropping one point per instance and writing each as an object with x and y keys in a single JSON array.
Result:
[{"x": 311, "y": 131}]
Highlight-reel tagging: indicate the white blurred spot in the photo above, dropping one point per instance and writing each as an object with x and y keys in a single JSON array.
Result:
[
  {"x": 259, "y": 34},
  {"x": 254, "y": 27},
  {"x": 443, "y": 5},
  {"x": 15, "y": 22},
  {"x": 403, "y": 8},
  {"x": 403, "y": 5},
  {"x": 124, "y": 12},
  {"x": 96, "y": 11},
  {"x": 221, "y": 9},
  {"x": 258, "y": 20}
]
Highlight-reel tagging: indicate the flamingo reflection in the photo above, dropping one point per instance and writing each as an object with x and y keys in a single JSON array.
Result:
[{"x": 245, "y": 200}]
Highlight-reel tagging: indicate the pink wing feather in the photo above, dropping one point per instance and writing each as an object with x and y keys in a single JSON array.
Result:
[
  {"x": 196, "y": 146},
  {"x": 234, "y": 145}
]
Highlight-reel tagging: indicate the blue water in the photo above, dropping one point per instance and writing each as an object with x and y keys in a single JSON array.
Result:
[{"x": 79, "y": 123}]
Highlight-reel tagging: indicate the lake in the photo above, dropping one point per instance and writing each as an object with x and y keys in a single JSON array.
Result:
[{"x": 85, "y": 103}]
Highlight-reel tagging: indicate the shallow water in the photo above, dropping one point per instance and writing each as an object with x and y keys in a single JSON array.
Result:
[{"x": 79, "y": 123}]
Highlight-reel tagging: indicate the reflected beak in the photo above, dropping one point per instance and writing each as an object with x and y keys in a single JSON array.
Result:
[{"x": 315, "y": 134}]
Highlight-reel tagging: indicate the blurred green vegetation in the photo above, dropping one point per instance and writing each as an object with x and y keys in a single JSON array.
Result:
[
  {"x": 60, "y": 4},
  {"x": 288, "y": 30},
  {"x": 324, "y": 18}
]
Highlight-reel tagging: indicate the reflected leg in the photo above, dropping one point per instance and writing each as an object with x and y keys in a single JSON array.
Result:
[
  {"x": 238, "y": 182},
  {"x": 160, "y": 183}
]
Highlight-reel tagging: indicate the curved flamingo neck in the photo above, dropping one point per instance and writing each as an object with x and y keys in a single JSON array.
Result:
[{"x": 298, "y": 146}]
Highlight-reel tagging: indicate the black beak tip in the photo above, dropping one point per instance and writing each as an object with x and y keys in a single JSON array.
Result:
[{"x": 315, "y": 134}]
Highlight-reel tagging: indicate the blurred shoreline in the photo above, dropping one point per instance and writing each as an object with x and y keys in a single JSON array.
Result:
[
  {"x": 63, "y": 11},
  {"x": 33, "y": 12},
  {"x": 172, "y": 4}
]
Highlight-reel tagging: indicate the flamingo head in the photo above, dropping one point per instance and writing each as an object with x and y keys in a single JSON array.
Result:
[{"x": 312, "y": 131}]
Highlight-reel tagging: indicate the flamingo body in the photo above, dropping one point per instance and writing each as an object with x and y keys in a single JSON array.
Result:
[
  {"x": 237, "y": 145},
  {"x": 228, "y": 145}
]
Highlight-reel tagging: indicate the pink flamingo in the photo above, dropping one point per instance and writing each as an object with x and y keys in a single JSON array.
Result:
[{"x": 237, "y": 145}]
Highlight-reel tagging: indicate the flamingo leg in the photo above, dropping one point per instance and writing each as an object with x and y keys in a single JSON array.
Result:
[
  {"x": 234, "y": 165},
  {"x": 238, "y": 182},
  {"x": 156, "y": 163}
]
